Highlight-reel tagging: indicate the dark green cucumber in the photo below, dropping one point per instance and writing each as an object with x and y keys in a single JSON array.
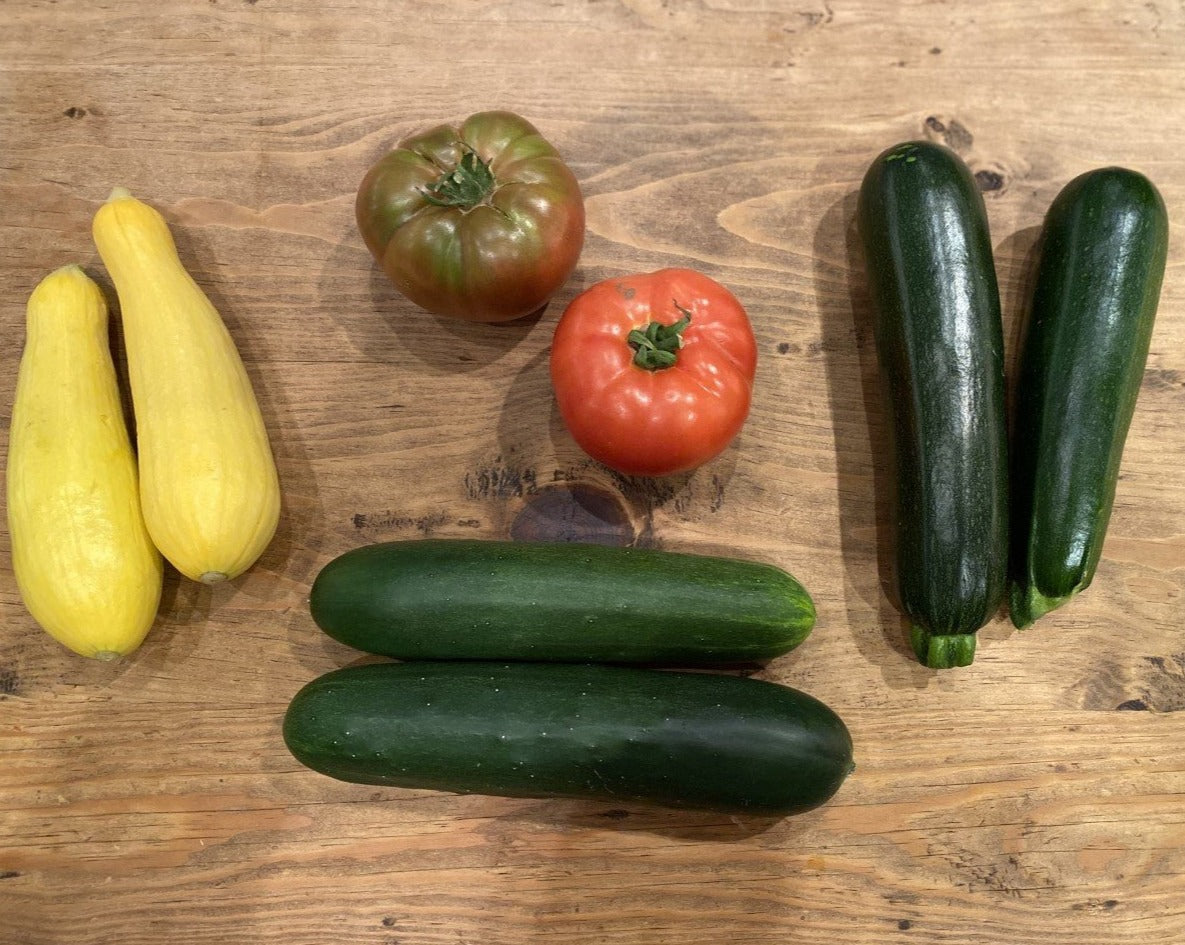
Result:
[
  {"x": 497, "y": 600},
  {"x": 1102, "y": 260},
  {"x": 617, "y": 733},
  {"x": 940, "y": 346}
]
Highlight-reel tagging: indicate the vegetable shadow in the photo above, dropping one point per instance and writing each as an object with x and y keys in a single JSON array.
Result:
[
  {"x": 292, "y": 551},
  {"x": 1017, "y": 258},
  {"x": 505, "y": 816},
  {"x": 687, "y": 825},
  {"x": 318, "y": 653},
  {"x": 385, "y": 326},
  {"x": 862, "y": 449},
  {"x": 448, "y": 344}
]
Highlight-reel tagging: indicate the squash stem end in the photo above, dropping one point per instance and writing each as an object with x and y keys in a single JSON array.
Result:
[
  {"x": 942, "y": 650},
  {"x": 1027, "y": 605}
]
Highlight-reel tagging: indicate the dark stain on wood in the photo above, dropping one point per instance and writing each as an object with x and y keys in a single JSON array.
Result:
[
  {"x": 650, "y": 493},
  {"x": 815, "y": 18},
  {"x": 989, "y": 181},
  {"x": 1164, "y": 683},
  {"x": 425, "y": 524},
  {"x": 1158, "y": 684},
  {"x": 1093, "y": 905},
  {"x": 954, "y": 133},
  {"x": 574, "y": 512},
  {"x": 10, "y": 682},
  {"x": 958, "y": 137},
  {"x": 717, "y": 499},
  {"x": 1149, "y": 684},
  {"x": 1007, "y": 877},
  {"x": 499, "y": 481}
]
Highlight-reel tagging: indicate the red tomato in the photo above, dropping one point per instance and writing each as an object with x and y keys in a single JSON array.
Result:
[{"x": 654, "y": 373}]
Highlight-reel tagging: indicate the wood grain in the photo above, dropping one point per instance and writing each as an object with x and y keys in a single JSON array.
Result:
[{"x": 1033, "y": 798}]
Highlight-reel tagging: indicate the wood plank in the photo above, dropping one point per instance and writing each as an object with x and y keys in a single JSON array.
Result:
[{"x": 1034, "y": 798}]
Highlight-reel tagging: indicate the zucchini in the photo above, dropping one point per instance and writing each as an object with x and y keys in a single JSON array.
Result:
[
  {"x": 1102, "y": 260},
  {"x": 940, "y": 346},
  {"x": 681, "y": 739},
  {"x": 499, "y": 600}
]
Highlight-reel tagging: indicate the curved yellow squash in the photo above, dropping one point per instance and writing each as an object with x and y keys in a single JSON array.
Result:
[
  {"x": 84, "y": 563},
  {"x": 208, "y": 482}
]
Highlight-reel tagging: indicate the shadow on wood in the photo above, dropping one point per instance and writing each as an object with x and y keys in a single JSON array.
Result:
[{"x": 862, "y": 447}]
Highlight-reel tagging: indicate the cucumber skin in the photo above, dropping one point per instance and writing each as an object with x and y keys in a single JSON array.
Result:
[
  {"x": 499, "y": 600},
  {"x": 1103, "y": 248},
  {"x": 940, "y": 346},
  {"x": 677, "y": 739}
]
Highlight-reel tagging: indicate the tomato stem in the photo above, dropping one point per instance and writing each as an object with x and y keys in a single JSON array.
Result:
[
  {"x": 465, "y": 186},
  {"x": 655, "y": 346}
]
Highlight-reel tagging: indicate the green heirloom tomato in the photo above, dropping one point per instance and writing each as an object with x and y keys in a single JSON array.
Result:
[{"x": 482, "y": 222}]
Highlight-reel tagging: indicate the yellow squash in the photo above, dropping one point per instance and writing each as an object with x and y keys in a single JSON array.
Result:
[
  {"x": 85, "y": 565},
  {"x": 208, "y": 482}
]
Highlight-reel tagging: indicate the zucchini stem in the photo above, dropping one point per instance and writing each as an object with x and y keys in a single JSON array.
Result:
[
  {"x": 1027, "y": 605},
  {"x": 942, "y": 650}
]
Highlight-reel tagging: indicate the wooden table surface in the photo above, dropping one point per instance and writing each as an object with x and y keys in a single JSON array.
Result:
[{"x": 1035, "y": 797}]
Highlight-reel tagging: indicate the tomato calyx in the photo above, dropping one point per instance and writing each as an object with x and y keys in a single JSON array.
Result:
[
  {"x": 465, "y": 186},
  {"x": 656, "y": 346}
]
